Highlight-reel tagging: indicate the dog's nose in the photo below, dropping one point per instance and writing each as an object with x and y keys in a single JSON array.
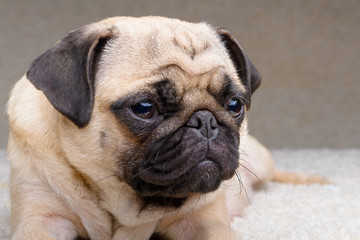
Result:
[{"x": 204, "y": 124}]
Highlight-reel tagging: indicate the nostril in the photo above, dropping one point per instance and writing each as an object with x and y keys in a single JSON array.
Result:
[
  {"x": 194, "y": 122},
  {"x": 213, "y": 123},
  {"x": 199, "y": 123}
]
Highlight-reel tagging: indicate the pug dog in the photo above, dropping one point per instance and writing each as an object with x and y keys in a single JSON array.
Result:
[{"x": 134, "y": 128}]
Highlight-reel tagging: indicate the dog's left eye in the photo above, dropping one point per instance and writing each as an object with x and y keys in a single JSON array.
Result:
[
  {"x": 235, "y": 107},
  {"x": 143, "y": 109}
]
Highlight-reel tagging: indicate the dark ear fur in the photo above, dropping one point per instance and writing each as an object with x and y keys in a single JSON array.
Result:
[
  {"x": 247, "y": 72},
  {"x": 65, "y": 73}
]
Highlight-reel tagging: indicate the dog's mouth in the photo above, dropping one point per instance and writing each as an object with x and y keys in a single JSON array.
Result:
[
  {"x": 203, "y": 177},
  {"x": 170, "y": 177},
  {"x": 183, "y": 163},
  {"x": 162, "y": 174},
  {"x": 163, "y": 190}
]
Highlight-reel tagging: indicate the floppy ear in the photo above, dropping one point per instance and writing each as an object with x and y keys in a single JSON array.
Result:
[
  {"x": 246, "y": 71},
  {"x": 65, "y": 73}
]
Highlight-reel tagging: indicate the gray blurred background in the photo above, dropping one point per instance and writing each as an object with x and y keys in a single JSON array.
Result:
[{"x": 307, "y": 51}]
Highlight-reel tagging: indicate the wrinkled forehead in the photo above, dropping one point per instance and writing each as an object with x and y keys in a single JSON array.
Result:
[{"x": 146, "y": 50}]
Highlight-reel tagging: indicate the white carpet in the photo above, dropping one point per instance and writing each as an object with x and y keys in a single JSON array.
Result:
[
  {"x": 308, "y": 212},
  {"x": 285, "y": 211}
]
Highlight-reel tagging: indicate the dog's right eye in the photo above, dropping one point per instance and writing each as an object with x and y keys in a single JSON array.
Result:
[{"x": 144, "y": 110}]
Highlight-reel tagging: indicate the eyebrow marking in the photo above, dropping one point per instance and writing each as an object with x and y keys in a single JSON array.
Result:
[
  {"x": 228, "y": 88},
  {"x": 168, "y": 95}
]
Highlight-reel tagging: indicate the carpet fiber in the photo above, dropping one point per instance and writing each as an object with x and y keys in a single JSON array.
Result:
[{"x": 284, "y": 211}]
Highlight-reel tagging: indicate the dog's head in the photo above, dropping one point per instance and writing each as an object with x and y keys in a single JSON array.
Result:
[{"x": 158, "y": 102}]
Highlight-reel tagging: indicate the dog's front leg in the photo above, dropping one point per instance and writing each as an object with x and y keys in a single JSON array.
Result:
[
  {"x": 211, "y": 223},
  {"x": 46, "y": 194},
  {"x": 134, "y": 233},
  {"x": 44, "y": 228},
  {"x": 38, "y": 214}
]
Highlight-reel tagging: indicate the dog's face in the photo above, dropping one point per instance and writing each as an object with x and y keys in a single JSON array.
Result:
[{"x": 157, "y": 102}]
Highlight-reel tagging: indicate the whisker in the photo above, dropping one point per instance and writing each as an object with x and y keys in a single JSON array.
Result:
[
  {"x": 254, "y": 174},
  {"x": 242, "y": 187},
  {"x": 144, "y": 170},
  {"x": 102, "y": 179},
  {"x": 258, "y": 179},
  {"x": 118, "y": 200}
]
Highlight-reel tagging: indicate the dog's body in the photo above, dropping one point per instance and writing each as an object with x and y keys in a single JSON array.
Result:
[{"x": 130, "y": 127}]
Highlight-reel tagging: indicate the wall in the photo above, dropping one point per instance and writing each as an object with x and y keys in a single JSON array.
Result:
[{"x": 307, "y": 51}]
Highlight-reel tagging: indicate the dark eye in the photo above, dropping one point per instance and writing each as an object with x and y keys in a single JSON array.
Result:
[
  {"x": 235, "y": 107},
  {"x": 143, "y": 110}
]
